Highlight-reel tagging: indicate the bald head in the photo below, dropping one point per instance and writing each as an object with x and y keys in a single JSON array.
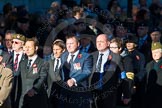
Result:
[{"x": 102, "y": 42}]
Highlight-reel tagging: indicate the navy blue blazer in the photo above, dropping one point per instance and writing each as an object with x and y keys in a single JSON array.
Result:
[{"x": 80, "y": 70}]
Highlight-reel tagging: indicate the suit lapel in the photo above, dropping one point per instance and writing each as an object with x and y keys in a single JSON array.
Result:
[
  {"x": 110, "y": 66},
  {"x": 78, "y": 57},
  {"x": 31, "y": 67},
  {"x": 51, "y": 70},
  {"x": 95, "y": 61}
]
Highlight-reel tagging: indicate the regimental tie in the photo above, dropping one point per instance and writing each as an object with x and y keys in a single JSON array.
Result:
[
  {"x": 98, "y": 67},
  {"x": 57, "y": 65},
  {"x": 16, "y": 62},
  {"x": 71, "y": 60},
  {"x": 29, "y": 63}
]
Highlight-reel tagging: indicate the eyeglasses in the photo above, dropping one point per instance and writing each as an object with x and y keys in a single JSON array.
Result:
[
  {"x": 113, "y": 47},
  {"x": 15, "y": 42},
  {"x": 8, "y": 39}
]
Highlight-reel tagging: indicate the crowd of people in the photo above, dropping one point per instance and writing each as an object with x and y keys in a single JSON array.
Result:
[{"x": 81, "y": 56}]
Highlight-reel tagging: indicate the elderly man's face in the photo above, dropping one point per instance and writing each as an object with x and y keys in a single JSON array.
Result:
[
  {"x": 102, "y": 43},
  {"x": 157, "y": 54},
  {"x": 17, "y": 45}
]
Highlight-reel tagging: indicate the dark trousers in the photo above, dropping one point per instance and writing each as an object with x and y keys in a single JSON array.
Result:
[
  {"x": 74, "y": 99},
  {"x": 37, "y": 101},
  {"x": 53, "y": 100},
  {"x": 16, "y": 92},
  {"x": 104, "y": 99}
]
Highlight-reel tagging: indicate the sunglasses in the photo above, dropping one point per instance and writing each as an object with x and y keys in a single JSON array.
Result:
[{"x": 15, "y": 42}]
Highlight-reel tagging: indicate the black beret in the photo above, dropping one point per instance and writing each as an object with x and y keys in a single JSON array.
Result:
[
  {"x": 142, "y": 24},
  {"x": 154, "y": 29},
  {"x": 132, "y": 39}
]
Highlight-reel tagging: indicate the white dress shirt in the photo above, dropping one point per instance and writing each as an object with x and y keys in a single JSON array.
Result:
[{"x": 104, "y": 59}]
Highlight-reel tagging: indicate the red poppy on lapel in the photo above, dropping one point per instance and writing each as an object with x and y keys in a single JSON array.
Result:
[
  {"x": 34, "y": 66},
  {"x": 109, "y": 57},
  {"x": 161, "y": 66},
  {"x": 137, "y": 57},
  {"x": 35, "y": 69},
  {"x": 79, "y": 56}
]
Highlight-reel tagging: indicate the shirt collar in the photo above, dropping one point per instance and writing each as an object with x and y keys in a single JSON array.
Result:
[
  {"x": 105, "y": 52},
  {"x": 76, "y": 53},
  {"x": 21, "y": 52},
  {"x": 33, "y": 58}
]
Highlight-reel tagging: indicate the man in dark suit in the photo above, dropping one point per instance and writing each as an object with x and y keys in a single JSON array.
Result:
[
  {"x": 154, "y": 78},
  {"x": 105, "y": 75},
  {"x": 54, "y": 73},
  {"x": 8, "y": 41},
  {"x": 144, "y": 41},
  {"x": 17, "y": 56},
  {"x": 76, "y": 69},
  {"x": 33, "y": 74},
  {"x": 86, "y": 44}
]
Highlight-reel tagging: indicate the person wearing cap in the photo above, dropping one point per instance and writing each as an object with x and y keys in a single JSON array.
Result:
[
  {"x": 121, "y": 30},
  {"x": 139, "y": 71},
  {"x": 154, "y": 78},
  {"x": 23, "y": 27},
  {"x": 155, "y": 35},
  {"x": 144, "y": 40},
  {"x": 86, "y": 44},
  {"x": 17, "y": 56}
]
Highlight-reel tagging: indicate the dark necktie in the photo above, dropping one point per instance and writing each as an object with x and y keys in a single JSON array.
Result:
[
  {"x": 29, "y": 63},
  {"x": 71, "y": 60},
  {"x": 67, "y": 68},
  {"x": 98, "y": 67},
  {"x": 57, "y": 64},
  {"x": 16, "y": 62}
]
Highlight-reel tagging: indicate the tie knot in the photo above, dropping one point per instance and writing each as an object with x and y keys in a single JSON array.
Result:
[
  {"x": 17, "y": 55},
  {"x": 101, "y": 54},
  {"x": 30, "y": 60},
  {"x": 72, "y": 56}
]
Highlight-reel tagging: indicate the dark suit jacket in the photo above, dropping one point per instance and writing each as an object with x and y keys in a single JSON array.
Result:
[
  {"x": 7, "y": 60},
  {"x": 110, "y": 81},
  {"x": 154, "y": 84},
  {"x": 17, "y": 86},
  {"x": 52, "y": 76},
  {"x": 34, "y": 78},
  {"x": 82, "y": 74},
  {"x": 91, "y": 49}
]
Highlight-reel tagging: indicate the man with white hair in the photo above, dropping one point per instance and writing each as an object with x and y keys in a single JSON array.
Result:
[{"x": 18, "y": 55}]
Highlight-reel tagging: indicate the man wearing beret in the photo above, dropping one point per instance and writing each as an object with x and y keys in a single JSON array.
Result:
[
  {"x": 154, "y": 78},
  {"x": 155, "y": 34},
  {"x": 18, "y": 55},
  {"x": 144, "y": 40}
]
